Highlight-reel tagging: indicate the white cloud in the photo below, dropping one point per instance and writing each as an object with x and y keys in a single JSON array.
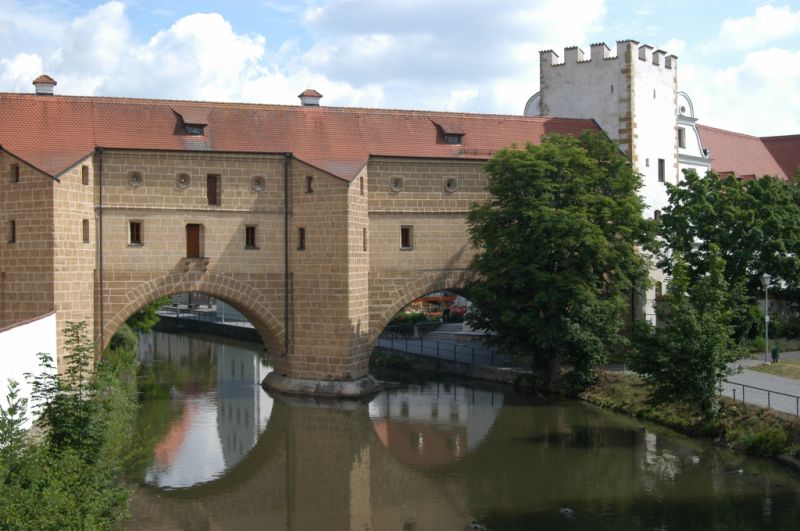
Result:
[
  {"x": 18, "y": 72},
  {"x": 769, "y": 23},
  {"x": 758, "y": 96}
]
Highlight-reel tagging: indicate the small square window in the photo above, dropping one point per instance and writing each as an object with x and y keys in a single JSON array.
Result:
[
  {"x": 309, "y": 184},
  {"x": 662, "y": 173},
  {"x": 250, "y": 237},
  {"x": 85, "y": 175},
  {"x": 85, "y": 230},
  {"x": 15, "y": 173},
  {"x": 135, "y": 233},
  {"x": 12, "y": 231},
  {"x": 301, "y": 239},
  {"x": 406, "y": 237},
  {"x": 681, "y": 137}
]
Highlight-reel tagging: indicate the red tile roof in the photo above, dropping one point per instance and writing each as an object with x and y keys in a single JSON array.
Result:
[
  {"x": 310, "y": 93},
  {"x": 743, "y": 155},
  {"x": 56, "y": 132},
  {"x": 786, "y": 150}
]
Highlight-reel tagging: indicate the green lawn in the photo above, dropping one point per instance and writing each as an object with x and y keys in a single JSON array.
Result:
[{"x": 788, "y": 369}]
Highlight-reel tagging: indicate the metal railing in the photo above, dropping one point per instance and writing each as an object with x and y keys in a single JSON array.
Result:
[
  {"x": 209, "y": 316},
  {"x": 786, "y": 402},
  {"x": 473, "y": 352}
]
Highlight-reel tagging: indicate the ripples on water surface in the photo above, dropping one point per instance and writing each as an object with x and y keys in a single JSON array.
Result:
[{"x": 224, "y": 455}]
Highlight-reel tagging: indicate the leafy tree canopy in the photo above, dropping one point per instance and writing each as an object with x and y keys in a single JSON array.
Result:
[
  {"x": 556, "y": 252},
  {"x": 146, "y": 318},
  {"x": 687, "y": 355},
  {"x": 755, "y": 225}
]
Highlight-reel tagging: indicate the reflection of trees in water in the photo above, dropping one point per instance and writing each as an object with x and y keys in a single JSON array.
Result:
[{"x": 321, "y": 467}]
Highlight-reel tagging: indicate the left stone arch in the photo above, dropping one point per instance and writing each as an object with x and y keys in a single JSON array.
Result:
[{"x": 234, "y": 292}]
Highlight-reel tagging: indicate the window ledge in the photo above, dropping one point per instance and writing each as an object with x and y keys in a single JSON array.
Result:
[{"x": 135, "y": 245}]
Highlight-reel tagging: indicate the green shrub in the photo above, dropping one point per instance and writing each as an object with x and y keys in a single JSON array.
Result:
[
  {"x": 69, "y": 479},
  {"x": 765, "y": 442},
  {"x": 124, "y": 339}
]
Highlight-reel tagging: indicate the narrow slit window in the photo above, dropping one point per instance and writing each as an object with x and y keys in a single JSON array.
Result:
[
  {"x": 250, "y": 237},
  {"x": 15, "y": 173},
  {"x": 301, "y": 239},
  {"x": 85, "y": 230},
  {"x": 84, "y": 175},
  {"x": 662, "y": 173},
  {"x": 213, "y": 189},
  {"x": 12, "y": 231},
  {"x": 309, "y": 184},
  {"x": 364, "y": 238},
  {"x": 407, "y": 237},
  {"x": 135, "y": 232},
  {"x": 361, "y": 184},
  {"x": 681, "y": 137}
]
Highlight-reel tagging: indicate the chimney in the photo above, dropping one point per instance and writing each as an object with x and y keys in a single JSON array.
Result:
[
  {"x": 44, "y": 85},
  {"x": 310, "y": 98}
]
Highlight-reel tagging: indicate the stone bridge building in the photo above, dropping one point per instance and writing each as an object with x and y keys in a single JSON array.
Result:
[{"x": 317, "y": 223}]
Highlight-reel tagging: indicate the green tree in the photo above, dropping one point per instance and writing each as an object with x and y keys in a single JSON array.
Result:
[
  {"x": 557, "y": 253},
  {"x": 755, "y": 225},
  {"x": 685, "y": 358},
  {"x": 146, "y": 318}
]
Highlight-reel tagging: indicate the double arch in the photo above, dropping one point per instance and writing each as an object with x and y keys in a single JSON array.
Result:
[{"x": 238, "y": 294}]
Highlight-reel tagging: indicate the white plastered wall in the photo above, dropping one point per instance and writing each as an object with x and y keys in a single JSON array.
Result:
[{"x": 18, "y": 348}]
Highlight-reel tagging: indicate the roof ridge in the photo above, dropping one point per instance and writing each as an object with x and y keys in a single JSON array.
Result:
[{"x": 254, "y": 105}]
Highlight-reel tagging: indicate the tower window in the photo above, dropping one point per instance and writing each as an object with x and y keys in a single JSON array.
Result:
[
  {"x": 15, "y": 173},
  {"x": 309, "y": 184},
  {"x": 213, "y": 189},
  {"x": 12, "y": 231},
  {"x": 662, "y": 173},
  {"x": 84, "y": 175},
  {"x": 364, "y": 238},
  {"x": 85, "y": 230},
  {"x": 361, "y": 185},
  {"x": 301, "y": 239},
  {"x": 681, "y": 137},
  {"x": 250, "y": 237},
  {"x": 657, "y": 215},
  {"x": 135, "y": 233},
  {"x": 406, "y": 237},
  {"x": 659, "y": 291}
]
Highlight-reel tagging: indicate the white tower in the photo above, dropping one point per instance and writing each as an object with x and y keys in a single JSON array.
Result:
[{"x": 633, "y": 97}]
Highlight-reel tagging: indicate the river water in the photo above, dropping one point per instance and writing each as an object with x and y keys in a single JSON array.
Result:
[{"x": 220, "y": 453}]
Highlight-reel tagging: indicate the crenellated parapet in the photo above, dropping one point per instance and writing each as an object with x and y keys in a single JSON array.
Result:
[{"x": 601, "y": 52}]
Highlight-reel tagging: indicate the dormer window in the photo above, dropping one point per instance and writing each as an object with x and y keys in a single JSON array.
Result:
[
  {"x": 192, "y": 120},
  {"x": 451, "y": 130}
]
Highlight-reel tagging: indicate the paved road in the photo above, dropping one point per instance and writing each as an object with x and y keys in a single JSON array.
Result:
[{"x": 777, "y": 386}]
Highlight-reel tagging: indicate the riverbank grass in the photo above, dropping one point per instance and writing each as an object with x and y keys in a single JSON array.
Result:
[
  {"x": 787, "y": 369},
  {"x": 742, "y": 427}
]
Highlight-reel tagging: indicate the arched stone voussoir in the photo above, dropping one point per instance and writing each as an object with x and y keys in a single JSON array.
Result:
[
  {"x": 223, "y": 287},
  {"x": 449, "y": 279}
]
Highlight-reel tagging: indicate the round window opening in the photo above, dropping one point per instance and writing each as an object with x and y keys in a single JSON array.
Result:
[
  {"x": 183, "y": 180},
  {"x": 135, "y": 179},
  {"x": 450, "y": 185},
  {"x": 258, "y": 184},
  {"x": 396, "y": 184}
]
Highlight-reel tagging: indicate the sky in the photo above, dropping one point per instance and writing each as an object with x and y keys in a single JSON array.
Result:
[{"x": 739, "y": 60}]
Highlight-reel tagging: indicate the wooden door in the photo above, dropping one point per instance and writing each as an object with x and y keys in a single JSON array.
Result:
[{"x": 193, "y": 240}]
